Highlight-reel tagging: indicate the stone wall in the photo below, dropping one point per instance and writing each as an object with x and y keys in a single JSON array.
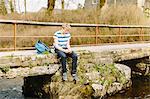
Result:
[
  {"x": 98, "y": 73},
  {"x": 98, "y": 76},
  {"x": 24, "y": 65},
  {"x": 14, "y": 66}
]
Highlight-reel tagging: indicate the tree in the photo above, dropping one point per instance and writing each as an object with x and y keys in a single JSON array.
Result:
[
  {"x": 63, "y": 4},
  {"x": 11, "y": 6},
  {"x": 50, "y": 6},
  {"x": 99, "y": 7},
  {"x": 3, "y": 9},
  {"x": 25, "y": 6},
  {"x": 101, "y": 3}
]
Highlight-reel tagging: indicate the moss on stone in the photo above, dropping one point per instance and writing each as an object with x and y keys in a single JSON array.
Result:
[
  {"x": 5, "y": 69},
  {"x": 89, "y": 72},
  {"x": 86, "y": 90}
]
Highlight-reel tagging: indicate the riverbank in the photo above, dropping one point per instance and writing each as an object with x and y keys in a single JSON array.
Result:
[
  {"x": 140, "y": 89},
  {"x": 98, "y": 72},
  {"x": 12, "y": 88},
  {"x": 98, "y": 76}
]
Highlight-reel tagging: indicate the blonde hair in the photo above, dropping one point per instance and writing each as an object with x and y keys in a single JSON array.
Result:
[{"x": 66, "y": 26}]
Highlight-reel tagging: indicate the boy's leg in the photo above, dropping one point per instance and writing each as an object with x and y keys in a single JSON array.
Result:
[
  {"x": 63, "y": 59},
  {"x": 74, "y": 57}
]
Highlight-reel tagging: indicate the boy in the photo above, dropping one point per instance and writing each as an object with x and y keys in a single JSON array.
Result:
[{"x": 63, "y": 50}]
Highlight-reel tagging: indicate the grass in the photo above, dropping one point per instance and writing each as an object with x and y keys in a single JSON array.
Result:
[{"x": 126, "y": 15}]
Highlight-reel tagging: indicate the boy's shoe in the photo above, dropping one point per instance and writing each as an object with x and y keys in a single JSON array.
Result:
[
  {"x": 64, "y": 76},
  {"x": 75, "y": 77}
]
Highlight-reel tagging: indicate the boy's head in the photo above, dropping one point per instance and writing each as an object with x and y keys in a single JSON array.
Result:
[{"x": 66, "y": 27}]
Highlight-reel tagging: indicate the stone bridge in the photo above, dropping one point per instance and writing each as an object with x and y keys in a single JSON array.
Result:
[{"x": 27, "y": 63}]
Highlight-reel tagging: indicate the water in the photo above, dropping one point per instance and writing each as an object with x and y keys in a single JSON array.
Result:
[
  {"x": 11, "y": 88},
  {"x": 140, "y": 89}
]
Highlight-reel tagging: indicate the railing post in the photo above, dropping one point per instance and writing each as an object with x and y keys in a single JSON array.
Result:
[
  {"x": 140, "y": 34},
  {"x": 120, "y": 38},
  {"x": 96, "y": 33},
  {"x": 15, "y": 29}
]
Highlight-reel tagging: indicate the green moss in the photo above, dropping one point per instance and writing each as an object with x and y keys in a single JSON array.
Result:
[
  {"x": 46, "y": 64},
  {"x": 30, "y": 65},
  {"x": 86, "y": 90},
  {"x": 5, "y": 69},
  {"x": 82, "y": 79},
  {"x": 46, "y": 52},
  {"x": 39, "y": 94},
  {"x": 109, "y": 74}
]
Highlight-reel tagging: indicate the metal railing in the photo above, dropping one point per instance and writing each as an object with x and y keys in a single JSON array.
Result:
[{"x": 97, "y": 34}]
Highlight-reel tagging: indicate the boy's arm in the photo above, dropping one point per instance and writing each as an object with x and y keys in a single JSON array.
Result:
[
  {"x": 57, "y": 46},
  {"x": 68, "y": 46}
]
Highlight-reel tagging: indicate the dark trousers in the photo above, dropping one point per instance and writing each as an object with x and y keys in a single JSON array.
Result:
[{"x": 63, "y": 57}]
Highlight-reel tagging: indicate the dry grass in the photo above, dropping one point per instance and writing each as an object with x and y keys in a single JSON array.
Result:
[
  {"x": 110, "y": 15},
  {"x": 130, "y": 14}
]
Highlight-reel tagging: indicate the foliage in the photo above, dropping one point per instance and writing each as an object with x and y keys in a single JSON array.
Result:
[
  {"x": 51, "y": 5},
  {"x": 109, "y": 15},
  {"x": 102, "y": 3},
  {"x": 123, "y": 14},
  {"x": 11, "y": 6},
  {"x": 3, "y": 10},
  {"x": 86, "y": 91}
]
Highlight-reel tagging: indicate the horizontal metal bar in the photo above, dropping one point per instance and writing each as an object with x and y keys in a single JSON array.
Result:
[
  {"x": 25, "y": 36},
  {"x": 72, "y": 24},
  {"x": 6, "y": 36},
  {"x": 77, "y": 36},
  {"x": 34, "y": 36},
  {"x": 121, "y": 35},
  {"x": 82, "y": 36}
]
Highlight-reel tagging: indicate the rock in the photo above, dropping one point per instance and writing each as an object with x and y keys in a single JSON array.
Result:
[
  {"x": 5, "y": 60},
  {"x": 147, "y": 72},
  {"x": 29, "y": 60},
  {"x": 11, "y": 73},
  {"x": 115, "y": 87},
  {"x": 24, "y": 72},
  {"x": 93, "y": 76},
  {"x": 1, "y": 74},
  {"x": 142, "y": 69},
  {"x": 96, "y": 72},
  {"x": 141, "y": 66},
  {"x": 101, "y": 61},
  {"x": 67, "y": 90},
  {"x": 69, "y": 97},
  {"x": 97, "y": 83},
  {"x": 40, "y": 70},
  {"x": 124, "y": 69},
  {"x": 33, "y": 58},
  {"x": 98, "y": 89}
]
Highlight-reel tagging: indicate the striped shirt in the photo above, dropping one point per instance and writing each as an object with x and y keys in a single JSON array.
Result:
[{"x": 62, "y": 38}]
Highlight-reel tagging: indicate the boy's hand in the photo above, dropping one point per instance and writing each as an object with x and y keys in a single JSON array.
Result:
[{"x": 68, "y": 51}]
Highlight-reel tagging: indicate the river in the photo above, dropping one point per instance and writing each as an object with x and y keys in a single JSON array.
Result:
[{"x": 140, "y": 89}]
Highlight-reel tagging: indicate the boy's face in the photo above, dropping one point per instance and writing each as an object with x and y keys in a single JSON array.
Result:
[{"x": 66, "y": 30}]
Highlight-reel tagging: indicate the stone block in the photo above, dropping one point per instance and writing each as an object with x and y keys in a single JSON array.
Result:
[
  {"x": 5, "y": 60},
  {"x": 124, "y": 69},
  {"x": 115, "y": 87},
  {"x": 93, "y": 76},
  {"x": 102, "y": 61}
]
